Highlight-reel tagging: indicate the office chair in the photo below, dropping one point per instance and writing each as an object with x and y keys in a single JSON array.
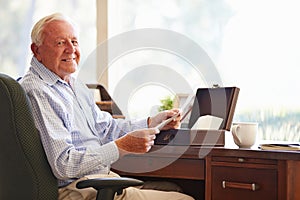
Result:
[{"x": 24, "y": 170}]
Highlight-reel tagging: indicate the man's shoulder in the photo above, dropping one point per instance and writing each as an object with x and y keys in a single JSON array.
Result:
[
  {"x": 29, "y": 80},
  {"x": 31, "y": 83}
]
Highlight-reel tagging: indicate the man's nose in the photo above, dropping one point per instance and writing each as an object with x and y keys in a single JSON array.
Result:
[{"x": 70, "y": 48}]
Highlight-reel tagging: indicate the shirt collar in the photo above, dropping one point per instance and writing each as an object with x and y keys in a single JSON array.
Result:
[{"x": 45, "y": 74}]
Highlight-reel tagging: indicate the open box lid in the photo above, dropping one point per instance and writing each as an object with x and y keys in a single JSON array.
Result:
[{"x": 219, "y": 102}]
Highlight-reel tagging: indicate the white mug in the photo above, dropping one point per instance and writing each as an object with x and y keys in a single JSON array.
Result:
[{"x": 244, "y": 133}]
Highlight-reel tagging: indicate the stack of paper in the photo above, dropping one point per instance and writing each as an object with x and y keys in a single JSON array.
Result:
[
  {"x": 280, "y": 146},
  {"x": 208, "y": 122}
]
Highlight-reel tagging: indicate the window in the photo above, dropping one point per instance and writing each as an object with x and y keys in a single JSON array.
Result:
[
  {"x": 17, "y": 21},
  {"x": 253, "y": 44}
]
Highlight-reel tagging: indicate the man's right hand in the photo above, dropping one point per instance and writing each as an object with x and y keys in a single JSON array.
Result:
[{"x": 138, "y": 141}]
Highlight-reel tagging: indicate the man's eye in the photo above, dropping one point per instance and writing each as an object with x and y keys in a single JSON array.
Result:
[
  {"x": 75, "y": 42},
  {"x": 60, "y": 43}
]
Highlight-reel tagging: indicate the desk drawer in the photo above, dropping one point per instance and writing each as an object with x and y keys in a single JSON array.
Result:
[
  {"x": 245, "y": 183},
  {"x": 243, "y": 160},
  {"x": 136, "y": 165}
]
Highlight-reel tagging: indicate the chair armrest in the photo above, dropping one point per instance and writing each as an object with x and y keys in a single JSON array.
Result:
[
  {"x": 102, "y": 183},
  {"x": 107, "y": 187}
]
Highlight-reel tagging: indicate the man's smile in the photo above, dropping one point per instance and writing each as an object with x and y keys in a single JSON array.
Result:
[{"x": 68, "y": 59}]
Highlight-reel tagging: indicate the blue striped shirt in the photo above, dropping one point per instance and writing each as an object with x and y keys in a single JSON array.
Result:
[{"x": 77, "y": 136}]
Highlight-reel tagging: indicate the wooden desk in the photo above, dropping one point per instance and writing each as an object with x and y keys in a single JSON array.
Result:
[
  {"x": 252, "y": 174},
  {"x": 275, "y": 174},
  {"x": 181, "y": 164}
]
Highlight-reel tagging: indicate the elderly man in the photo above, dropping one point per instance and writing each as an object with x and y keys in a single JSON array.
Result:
[{"x": 79, "y": 139}]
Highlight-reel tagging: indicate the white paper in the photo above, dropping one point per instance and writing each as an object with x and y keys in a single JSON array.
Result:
[
  {"x": 187, "y": 106},
  {"x": 208, "y": 122},
  {"x": 165, "y": 122}
]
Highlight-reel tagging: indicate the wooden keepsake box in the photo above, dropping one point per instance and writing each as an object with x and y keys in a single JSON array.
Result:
[{"x": 218, "y": 102}]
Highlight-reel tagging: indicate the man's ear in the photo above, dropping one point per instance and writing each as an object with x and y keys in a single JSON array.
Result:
[{"x": 35, "y": 50}]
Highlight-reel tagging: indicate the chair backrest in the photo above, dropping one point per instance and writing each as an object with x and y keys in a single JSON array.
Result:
[{"x": 24, "y": 170}]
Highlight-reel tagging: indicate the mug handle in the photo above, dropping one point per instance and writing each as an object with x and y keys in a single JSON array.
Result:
[{"x": 235, "y": 129}]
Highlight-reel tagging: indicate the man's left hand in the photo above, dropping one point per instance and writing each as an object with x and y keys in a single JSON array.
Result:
[{"x": 157, "y": 119}]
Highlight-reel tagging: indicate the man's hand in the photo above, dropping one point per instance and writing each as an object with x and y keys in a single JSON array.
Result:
[
  {"x": 157, "y": 119},
  {"x": 139, "y": 141}
]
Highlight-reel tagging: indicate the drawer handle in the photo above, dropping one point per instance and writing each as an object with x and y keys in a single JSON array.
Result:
[{"x": 246, "y": 186}]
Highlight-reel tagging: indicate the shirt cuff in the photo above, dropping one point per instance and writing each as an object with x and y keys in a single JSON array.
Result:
[
  {"x": 140, "y": 124},
  {"x": 111, "y": 154}
]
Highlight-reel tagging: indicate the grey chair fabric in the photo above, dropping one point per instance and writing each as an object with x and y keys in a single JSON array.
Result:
[
  {"x": 24, "y": 169},
  {"x": 25, "y": 173}
]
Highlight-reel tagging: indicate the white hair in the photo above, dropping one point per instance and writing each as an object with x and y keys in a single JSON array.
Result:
[{"x": 37, "y": 30}]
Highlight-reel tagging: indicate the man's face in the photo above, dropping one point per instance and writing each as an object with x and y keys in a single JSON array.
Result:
[{"x": 59, "y": 50}]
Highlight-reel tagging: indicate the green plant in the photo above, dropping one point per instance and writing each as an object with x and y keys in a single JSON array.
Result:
[{"x": 167, "y": 103}]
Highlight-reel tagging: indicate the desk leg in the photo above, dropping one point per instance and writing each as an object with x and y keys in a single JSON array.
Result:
[
  {"x": 208, "y": 178},
  {"x": 292, "y": 180}
]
